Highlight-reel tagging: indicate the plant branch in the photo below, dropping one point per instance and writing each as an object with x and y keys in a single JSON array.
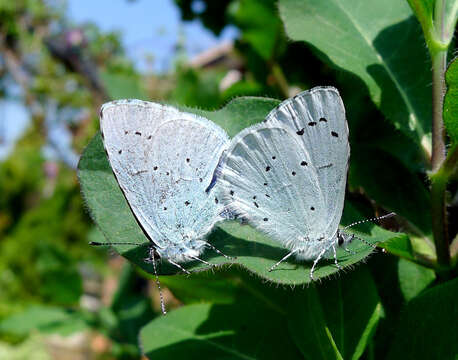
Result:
[
  {"x": 439, "y": 176},
  {"x": 439, "y": 61},
  {"x": 439, "y": 220}
]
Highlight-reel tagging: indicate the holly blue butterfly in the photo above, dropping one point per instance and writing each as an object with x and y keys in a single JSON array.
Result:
[
  {"x": 287, "y": 175},
  {"x": 164, "y": 161}
]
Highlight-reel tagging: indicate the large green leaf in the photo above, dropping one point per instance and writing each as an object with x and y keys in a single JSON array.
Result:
[
  {"x": 451, "y": 101},
  {"x": 387, "y": 181},
  {"x": 428, "y": 326},
  {"x": 413, "y": 278},
  {"x": 203, "y": 286},
  {"x": 245, "y": 330},
  {"x": 254, "y": 251},
  {"x": 374, "y": 40},
  {"x": 333, "y": 321}
]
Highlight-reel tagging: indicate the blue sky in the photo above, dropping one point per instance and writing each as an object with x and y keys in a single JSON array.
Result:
[{"x": 147, "y": 27}]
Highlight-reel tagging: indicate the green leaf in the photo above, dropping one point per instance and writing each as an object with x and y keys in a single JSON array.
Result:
[
  {"x": 423, "y": 10},
  {"x": 254, "y": 251},
  {"x": 394, "y": 187},
  {"x": 239, "y": 113},
  {"x": 200, "y": 287},
  {"x": 45, "y": 319},
  {"x": 333, "y": 321},
  {"x": 428, "y": 327},
  {"x": 413, "y": 278},
  {"x": 374, "y": 40},
  {"x": 245, "y": 330},
  {"x": 451, "y": 101}
]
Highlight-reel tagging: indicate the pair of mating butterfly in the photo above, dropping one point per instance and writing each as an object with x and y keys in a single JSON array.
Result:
[{"x": 181, "y": 174}]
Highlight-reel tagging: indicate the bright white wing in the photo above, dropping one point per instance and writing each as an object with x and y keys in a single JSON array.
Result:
[
  {"x": 269, "y": 181},
  {"x": 164, "y": 160},
  {"x": 317, "y": 117}
]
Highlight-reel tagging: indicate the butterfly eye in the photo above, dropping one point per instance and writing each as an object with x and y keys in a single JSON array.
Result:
[{"x": 340, "y": 240}]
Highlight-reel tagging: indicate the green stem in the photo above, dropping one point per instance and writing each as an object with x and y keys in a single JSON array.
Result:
[
  {"x": 439, "y": 223},
  {"x": 439, "y": 178},
  {"x": 439, "y": 62}
]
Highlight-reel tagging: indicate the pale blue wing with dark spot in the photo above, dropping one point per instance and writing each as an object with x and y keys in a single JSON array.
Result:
[
  {"x": 317, "y": 117},
  {"x": 270, "y": 181},
  {"x": 163, "y": 160}
]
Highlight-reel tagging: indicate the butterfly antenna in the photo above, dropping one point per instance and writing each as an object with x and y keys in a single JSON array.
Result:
[
  {"x": 220, "y": 252},
  {"x": 96, "y": 243},
  {"x": 158, "y": 283},
  {"x": 391, "y": 214},
  {"x": 374, "y": 246}
]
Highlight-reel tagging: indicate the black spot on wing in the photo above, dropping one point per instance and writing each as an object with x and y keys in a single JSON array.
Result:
[
  {"x": 323, "y": 120},
  {"x": 138, "y": 133},
  {"x": 120, "y": 152},
  {"x": 255, "y": 204},
  {"x": 333, "y": 133},
  {"x": 300, "y": 132},
  {"x": 304, "y": 163},
  {"x": 312, "y": 123},
  {"x": 267, "y": 168},
  {"x": 187, "y": 203}
]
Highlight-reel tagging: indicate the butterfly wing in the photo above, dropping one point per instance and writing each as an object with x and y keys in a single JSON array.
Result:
[
  {"x": 163, "y": 160},
  {"x": 269, "y": 180},
  {"x": 317, "y": 116}
]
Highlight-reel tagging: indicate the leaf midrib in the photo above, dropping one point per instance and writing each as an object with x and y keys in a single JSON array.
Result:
[{"x": 411, "y": 109}]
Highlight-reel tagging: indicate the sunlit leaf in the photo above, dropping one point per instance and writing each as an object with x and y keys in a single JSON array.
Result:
[{"x": 374, "y": 40}]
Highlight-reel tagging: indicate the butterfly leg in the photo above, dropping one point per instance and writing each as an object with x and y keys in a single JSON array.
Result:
[
  {"x": 179, "y": 267},
  {"x": 202, "y": 261},
  {"x": 283, "y": 259},
  {"x": 158, "y": 286},
  {"x": 335, "y": 257},
  {"x": 219, "y": 252},
  {"x": 318, "y": 258}
]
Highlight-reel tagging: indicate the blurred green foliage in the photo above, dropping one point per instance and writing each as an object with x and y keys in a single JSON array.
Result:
[{"x": 52, "y": 282}]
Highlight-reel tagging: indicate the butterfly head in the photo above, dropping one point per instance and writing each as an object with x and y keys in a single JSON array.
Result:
[{"x": 343, "y": 238}]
